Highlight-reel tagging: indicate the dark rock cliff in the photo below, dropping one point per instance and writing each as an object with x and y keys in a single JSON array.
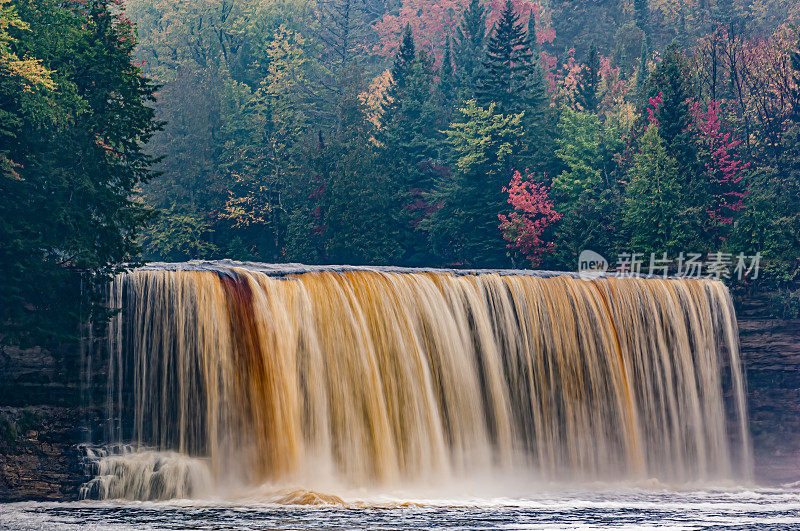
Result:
[
  {"x": 39, "y": 456},
  {"x": 41, "y": 424},
  {"x": 771, "y": 353}
]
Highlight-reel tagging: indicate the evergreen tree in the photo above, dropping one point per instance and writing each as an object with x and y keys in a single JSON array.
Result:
[
  {"x": 361, "y": 218},
  {"x": 671, "y": 82},
  {"x": 671, "y": 94},
  {"x": 513, "y": 80},
  {"x": 539, "y": 119},
  {"x": 588, "y": 87},
  {"x": 506, "y": 76},
  {"x": 410, "y": 138},
  {"x": 654, "y": 216},
  {"x": 469, "y": 46},
  {"x": 406, "y": 54},
  {"x": 643, "y": 73},
  {"x": 447, "y": 81},
  {"x": 348, "y": 211},
  {"x": 410, "y": 125},
  {"x": 75, "y": 154},
  {"x": 642, "y": 11},
  {"x": 464, "y": 228},
  {"x": 726, "y": 13}
]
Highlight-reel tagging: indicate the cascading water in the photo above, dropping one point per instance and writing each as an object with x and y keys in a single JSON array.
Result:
[{"x": 253, "y": 374}]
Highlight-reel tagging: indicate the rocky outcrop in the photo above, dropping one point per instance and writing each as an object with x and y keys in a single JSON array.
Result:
[
  {"x": 771, "y": 354},
  {"x": 39, "y": 454},
  {"x": 41, "y": 423}
]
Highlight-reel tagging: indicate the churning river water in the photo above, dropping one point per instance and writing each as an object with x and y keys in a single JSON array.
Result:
[{"x": 625, "y": 508}]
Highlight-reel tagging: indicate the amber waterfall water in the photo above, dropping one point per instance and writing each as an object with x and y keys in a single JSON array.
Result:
[{"x": 245, "y": 375}]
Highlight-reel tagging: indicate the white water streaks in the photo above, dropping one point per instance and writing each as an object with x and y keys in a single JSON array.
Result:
[{"x": 358, "y": 378}]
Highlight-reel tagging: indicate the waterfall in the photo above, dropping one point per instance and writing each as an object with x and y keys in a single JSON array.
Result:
[{"x": 386, "y": 376}]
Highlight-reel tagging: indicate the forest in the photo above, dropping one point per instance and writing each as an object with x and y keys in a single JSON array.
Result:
[{"x": 448, "y": 133}]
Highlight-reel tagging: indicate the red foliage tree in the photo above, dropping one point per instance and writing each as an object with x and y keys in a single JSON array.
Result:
[
  {"x": 725, "y": 167},
  {"x": 533, "y": 213},
  {"x": 652, "y": 109}
]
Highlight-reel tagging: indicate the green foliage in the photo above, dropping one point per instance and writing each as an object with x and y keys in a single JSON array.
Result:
[
  {"x": 628, "y": 43},
  {"x": 67, "y": 216},
  {"x": 654, "y": 215},
  {"x": 513, "y": 81},
  {"x": 589, "y": 85},
  {"x": 591, "y": 203},
  {"x": 361, "y": 203},
  {"x": 470, "y": 41},
  {"x": 785, "y": 304},
  {"x": 464, "y": 228},
  {"x": 579, "y": 150},
  {"x": 410, "y": 140},
  {"x": 175, "y": 237},
  {"x": 507, "y": 67}
]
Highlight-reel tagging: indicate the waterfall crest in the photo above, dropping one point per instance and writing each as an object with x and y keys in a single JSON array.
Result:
[{"x": 377, "y": 377}]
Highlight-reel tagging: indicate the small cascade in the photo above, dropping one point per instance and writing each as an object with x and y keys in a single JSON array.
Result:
[{"x": 124, "y": 472}]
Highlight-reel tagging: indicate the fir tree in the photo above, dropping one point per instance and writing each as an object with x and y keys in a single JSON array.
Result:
[
  {"x": 513, "y": 80},
  {"x": 469, "y": 46},
  {"x": 670, "y": 96},
  {"x": 406, "y": 54},
  {"x": 410, "y": 137},
  {"x": 409, "y": 121},
  {"x": 447, "y": 82},
  {"x": 671, "y": 83},
  {"x": 654, "y": 211},
  {"x": 642, "y": 11},
  {"x": 588, "y": 87},
  {"x": 464, "y": 227},
  {"x": 507, "y": 65},
  {"x": 643, "y": 72}
]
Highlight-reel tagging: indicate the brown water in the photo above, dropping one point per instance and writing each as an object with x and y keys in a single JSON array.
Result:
[{"x": 229, "y": 378}]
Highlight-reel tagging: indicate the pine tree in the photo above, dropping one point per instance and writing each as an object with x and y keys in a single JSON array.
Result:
[
  {"x": 464, "y": 227},
  {"x": 654, "y": 214},
  {"x": 447, "y": 82},
  {"x": 409, "y": 123},
  {"x": 671, "y": 82},
  {"x": 513, "y": 80},
  {"x": 642, "y": 11},
  {"x": 406, "y": 54},
  {"x": 469, "y": 46},
  {"x": 643, "y": 73},
  {"x": 588, "y": 87},
  {"x": 536, "y": 95},
  {"x": 505, "y": 79},
  {"x": 671, "y": 94},
  {"x": 410, "y": 137}
]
